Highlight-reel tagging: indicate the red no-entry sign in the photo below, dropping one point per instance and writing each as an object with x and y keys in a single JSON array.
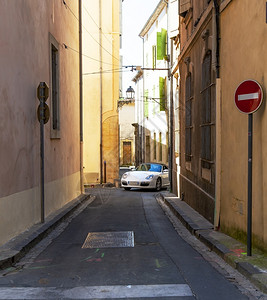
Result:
[{"x": 248, "y": 96}]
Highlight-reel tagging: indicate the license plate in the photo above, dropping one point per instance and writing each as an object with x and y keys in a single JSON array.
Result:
[{"x": 133, "y": 183}]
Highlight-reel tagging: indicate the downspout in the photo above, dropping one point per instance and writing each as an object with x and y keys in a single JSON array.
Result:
[
  {"x": 170, "y": 76},
  {"x": 101, "y": 91},
  {"x": 217, "y": 20},
  {"x": 142, "y": 111},
  {"x": 218, "y": 119},
  {"x": 81, "y": 95}
]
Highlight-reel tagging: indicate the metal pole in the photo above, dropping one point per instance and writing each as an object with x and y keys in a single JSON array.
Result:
[
  {"x": 42, "y": 154},
  {"x": 81, "y": 95},
  {"x": 101, "y": 91},
  {"x": 249, "y": 213}
]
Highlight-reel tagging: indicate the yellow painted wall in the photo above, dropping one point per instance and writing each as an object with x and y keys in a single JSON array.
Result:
[
  {"x": 110, "y": 89},
  {"x": 243, "y": 56}
]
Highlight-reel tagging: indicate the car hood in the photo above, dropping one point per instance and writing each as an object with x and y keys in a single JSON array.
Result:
[{"x": 137, "y": 175}]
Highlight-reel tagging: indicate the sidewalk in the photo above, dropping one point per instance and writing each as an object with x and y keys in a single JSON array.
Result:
[
  {"x": 231, "y": 250},
  {"x": 16, "y": 248}
]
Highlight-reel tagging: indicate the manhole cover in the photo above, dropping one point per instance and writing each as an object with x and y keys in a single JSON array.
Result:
[{"x": 119, "y": 239}]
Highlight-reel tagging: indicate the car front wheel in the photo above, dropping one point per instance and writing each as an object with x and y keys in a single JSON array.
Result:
[{"x": 158, "y": 184}]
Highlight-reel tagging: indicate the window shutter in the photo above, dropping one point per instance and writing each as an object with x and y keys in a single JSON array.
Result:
[
  {"x": 159, "y": 47},
  {"x": 162, "y": 95},
  {"x": 154, "y": 56},
  {"x": 185, "y": 5},
  {"x": 163, "y": 42}
]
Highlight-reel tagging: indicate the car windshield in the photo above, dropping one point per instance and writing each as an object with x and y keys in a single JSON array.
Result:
[{"x": 150, "y": 167}]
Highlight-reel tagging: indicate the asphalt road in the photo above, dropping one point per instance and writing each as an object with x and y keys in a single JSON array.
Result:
[{"x": 122, "y": 245}]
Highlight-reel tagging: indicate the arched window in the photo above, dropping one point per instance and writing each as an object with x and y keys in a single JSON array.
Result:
[
  {"x": 206, "y": 112},
  {"x": 188, "y": 117}
]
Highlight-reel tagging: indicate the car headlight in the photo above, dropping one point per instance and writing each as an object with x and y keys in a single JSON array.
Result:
[
  {"x": 150, "y": 176},
  {"x": 124, "y": 176}
]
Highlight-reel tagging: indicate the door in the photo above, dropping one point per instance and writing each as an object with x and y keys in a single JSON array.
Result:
[{"x": 127, "y": 153}]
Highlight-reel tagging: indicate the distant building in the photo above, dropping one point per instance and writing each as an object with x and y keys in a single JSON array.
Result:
[
  {"x": 151, "y": 100},
  {"x": 126, "y": 108}
]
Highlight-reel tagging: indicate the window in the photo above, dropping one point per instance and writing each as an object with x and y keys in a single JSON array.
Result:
[
  {"x": 188, "y": 117},
  {"x": 54, "y": 88},
  {"x": 206, "y": 113}
]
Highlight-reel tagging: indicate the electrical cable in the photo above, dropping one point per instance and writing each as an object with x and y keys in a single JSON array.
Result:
[
  {"x": 66, "y": 5},
  {"x": 70, "y": 48}
]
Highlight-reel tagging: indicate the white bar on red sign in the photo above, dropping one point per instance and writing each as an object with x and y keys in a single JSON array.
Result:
[{"x": 248, "y": 96}]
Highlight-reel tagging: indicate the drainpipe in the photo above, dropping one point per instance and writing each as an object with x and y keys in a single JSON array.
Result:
[
  {"x": 101, "y": 91},
  {"x": 142, "y": 111},
  {"x": 217, "y": 20},
  {"x": 81, "y": 95},
  {"x": 170, "y": 76},
  {"x": 218, "y": 118}
]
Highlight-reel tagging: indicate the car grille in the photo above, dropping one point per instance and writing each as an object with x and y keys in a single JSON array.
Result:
[{"x": 144, "y": 183}]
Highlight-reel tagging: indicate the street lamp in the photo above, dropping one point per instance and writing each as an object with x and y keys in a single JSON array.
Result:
[{"x": 130, "y": 93}]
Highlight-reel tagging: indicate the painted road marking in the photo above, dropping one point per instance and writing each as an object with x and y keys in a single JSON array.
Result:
[
  {"x": 99, "y": 292},
  {"x": 248, "y": 96}
]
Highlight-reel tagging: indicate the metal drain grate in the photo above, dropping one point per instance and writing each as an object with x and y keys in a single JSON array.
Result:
[{"x": 119, "y": 239}]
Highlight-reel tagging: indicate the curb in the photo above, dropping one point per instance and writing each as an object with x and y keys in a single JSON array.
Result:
[
  {"x": 202, "y": 229},
  {"x": 18, "y": 247}
]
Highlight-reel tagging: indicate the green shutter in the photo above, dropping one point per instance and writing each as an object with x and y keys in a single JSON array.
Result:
[
  {"x": 146, "y": 104},
  {"x": 163, "y": 42},
  {"x": 154, "y": 51},
  {"x": 159, "y": 47},
  {"x": 162, "y": 95}
]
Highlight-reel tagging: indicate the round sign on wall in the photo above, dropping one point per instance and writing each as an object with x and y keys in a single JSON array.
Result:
[{"x": 248, "y": 96}]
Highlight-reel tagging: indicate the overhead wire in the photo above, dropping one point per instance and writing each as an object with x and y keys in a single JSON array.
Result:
[
  {"x": 67, "y": 7},
  {"x": 70, "y": 48},
  {"x": 97, "y": 25}
]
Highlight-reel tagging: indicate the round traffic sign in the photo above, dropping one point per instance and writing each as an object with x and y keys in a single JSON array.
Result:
[
  {"x": 46, "y": 114},
  {"x": 248, "y": 96}
]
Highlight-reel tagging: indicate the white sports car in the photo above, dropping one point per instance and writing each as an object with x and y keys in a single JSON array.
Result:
[{"x": 146, "y": 176}]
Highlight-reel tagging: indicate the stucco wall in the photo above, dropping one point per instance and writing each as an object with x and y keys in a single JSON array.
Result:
[
  {"x": 243, "y": 56},
  {"x": 197, "y": 183},
  {"x": 26, "y": 28},
  {"x": 92, "y": 70}
]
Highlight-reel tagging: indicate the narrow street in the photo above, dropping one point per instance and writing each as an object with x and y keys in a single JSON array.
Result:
[{"x": 135, "y": 254}]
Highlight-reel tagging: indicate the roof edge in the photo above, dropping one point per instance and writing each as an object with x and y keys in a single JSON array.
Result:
[{"x": 153, "y": 17}]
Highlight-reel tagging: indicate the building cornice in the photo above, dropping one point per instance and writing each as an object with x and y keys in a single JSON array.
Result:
[
  {"x": 152, "y": 19},
  {"x": 206, "y": 17}
]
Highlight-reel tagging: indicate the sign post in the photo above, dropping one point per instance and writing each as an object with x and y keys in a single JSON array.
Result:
[
  {"x": 43, "y": 116},
  {"x": 248, "y": 98}
]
